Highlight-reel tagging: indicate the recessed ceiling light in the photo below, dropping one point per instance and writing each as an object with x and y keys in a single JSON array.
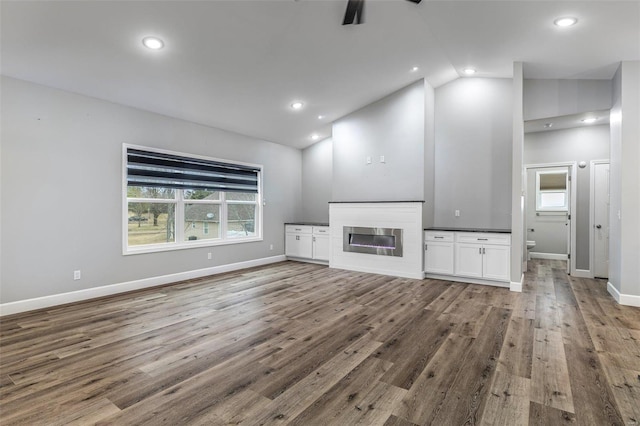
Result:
[
  {"x": 153, "y": 43},
  {"x": 469, "y": 71},
  {"x": 565, "y": 22},
  {"x": 297, "y": 105},
  {"x": 315, "y": 136},
  {"x": 320, "y": 117},
  {"x": 590, "y": 120},
  {"x": 414, "y": 69}
]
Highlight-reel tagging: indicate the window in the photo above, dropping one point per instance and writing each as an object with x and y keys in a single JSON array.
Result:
[
  {"x": 551, "y": 191},
  {"x": 174, "y": 201}
]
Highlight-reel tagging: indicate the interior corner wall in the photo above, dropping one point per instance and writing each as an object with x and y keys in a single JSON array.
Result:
[
  {"x": 393, "y": 128},
  {"x": 518, "y": 240},
  {"x": 317, "y": 172},
  {"x": 473, "y": 150},
  {"x": 552, "y": 97},
  {"x": 578, "y": 144},
  {"x": 428, "y": 211},
  {"x": 615, "y": 184},
  {"x": 624, "y": 246},
  {"x": 61, "y": 190}
]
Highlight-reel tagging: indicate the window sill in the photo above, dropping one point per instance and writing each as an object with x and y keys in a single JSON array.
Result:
[{"x": 187, "y": 245}]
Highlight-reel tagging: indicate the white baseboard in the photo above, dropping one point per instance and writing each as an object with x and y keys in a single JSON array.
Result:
[
  {"x": 623, "y": 299},
  {"x": 111, "y": 289},
  {"x": 551, "y": 256},
  {"x": 582, "y": 273},
  {"x": 517, "y": 286},
  {"x": 467, "y": 280}
]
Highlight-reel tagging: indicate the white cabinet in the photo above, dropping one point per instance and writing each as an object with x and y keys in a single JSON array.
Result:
[
  {"x": 307, "y": 242},
  {"x": 496, "y": 262},
  {"x": 469, "y": 260},
  {"x": 477, "y": 256},
  {"x": 320, "y": 249},
  {"x": 438, "y": 252},
  {"x": 298, "y": 241},
  {"x": 483, "y": 255}
]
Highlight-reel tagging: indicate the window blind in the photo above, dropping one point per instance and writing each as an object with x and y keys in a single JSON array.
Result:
[{"x": 147, "y": 168}]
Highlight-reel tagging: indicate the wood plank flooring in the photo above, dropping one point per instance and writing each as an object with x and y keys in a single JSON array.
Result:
[{"x": 303, "y": 344}]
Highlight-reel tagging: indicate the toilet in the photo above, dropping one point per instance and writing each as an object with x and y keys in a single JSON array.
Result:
[{"x": 530, "y": 245}]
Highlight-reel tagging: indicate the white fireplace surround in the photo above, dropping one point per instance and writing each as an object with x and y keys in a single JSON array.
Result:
[{"x": 397, "y": 215}]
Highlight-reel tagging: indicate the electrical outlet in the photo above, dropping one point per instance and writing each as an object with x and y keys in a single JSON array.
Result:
[
  {"x": 270, "y": 246},
  {"x": 77, "y": 274},
  {"x": 457, "y": 213},
  {"x": 382, "y": 160},
  {"x": 209, "y": 255}
]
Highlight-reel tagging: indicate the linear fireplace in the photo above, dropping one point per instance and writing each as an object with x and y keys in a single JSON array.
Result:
[
  {"x": 378, "y": 237},
  {"x": 377, "y": 241}
]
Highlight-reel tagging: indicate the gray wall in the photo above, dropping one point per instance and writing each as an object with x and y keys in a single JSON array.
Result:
[
  {"x": 428, "y": 211},
  {"x": 551, "y": 98},
  {"x": 317, "y": 172},
  {"x": 518, "y": 239},
  {"x": 61, "y": 190},
  {"x": 579, "y": 144},
  {"x": 473, "y": 149},
  {"x": 392, "y": 127},
  {"x": 624, "y": 242}
]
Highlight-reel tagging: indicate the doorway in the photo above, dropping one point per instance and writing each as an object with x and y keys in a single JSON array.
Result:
[
  {"x": 600, "y": 218},
  {"x": 550, "y": 201}
]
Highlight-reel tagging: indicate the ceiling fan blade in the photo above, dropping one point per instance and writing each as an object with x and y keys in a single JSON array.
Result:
[{"x": 355, "y": 10}]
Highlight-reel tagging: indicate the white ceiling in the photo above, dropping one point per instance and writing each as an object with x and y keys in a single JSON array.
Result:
[{"x": 238, "y": 65}]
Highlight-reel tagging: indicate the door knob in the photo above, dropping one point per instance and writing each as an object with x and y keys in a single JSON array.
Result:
[{"x": 598, "y": 226}]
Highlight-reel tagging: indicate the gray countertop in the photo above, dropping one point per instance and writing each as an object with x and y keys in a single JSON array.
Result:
[
  {"x": 497, "y": 231},
  {"x": 307, "y": 223}
]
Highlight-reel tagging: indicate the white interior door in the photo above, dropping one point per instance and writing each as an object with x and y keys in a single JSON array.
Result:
[{"x": 601, "y": 220}]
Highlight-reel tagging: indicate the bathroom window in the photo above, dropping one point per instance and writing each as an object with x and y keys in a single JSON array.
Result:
[{"x": 551, "y": 191}]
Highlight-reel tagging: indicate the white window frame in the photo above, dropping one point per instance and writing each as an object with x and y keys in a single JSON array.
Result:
[{"x": 179, "y": 202}]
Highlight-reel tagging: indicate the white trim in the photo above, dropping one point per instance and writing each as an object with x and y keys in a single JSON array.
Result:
[
  {"x": 592, "y": 214},
  {"x": 623, "y": 299},
  {"x": 582, "y": 273},
  {"x": 551, "y": 256},
  {"x": 517, "y": 286},
  {"x": 111, "y": 289},
  {"x": 308, "y": 260},
  {"x": 574, "y": 204},
  {"x": 467, "y": 280}
]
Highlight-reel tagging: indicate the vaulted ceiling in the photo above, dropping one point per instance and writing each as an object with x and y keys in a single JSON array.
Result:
[{"x": 238, "y": 65}]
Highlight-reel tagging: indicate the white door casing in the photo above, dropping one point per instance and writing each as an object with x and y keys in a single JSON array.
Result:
[{"x": 600, "y": 218}]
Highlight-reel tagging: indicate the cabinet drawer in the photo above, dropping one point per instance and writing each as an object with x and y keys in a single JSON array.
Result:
[
  {"x": 321, "y": 230},
  {"x": 438, "y": 236},
  {"x": 483, "y": 238},
  {"x": 299, "y": 229}
]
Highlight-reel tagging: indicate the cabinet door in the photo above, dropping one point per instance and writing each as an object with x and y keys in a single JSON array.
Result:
[
  {"x": 469, "y": 260},
  {"x": 496, "y": 262},
  {"x": 298, "y": 245},
  {"x": 321, "y": 247},
  {"x": 438, "y": 258}
]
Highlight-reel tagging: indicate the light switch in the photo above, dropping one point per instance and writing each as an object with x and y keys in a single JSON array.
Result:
[
  {"x": 382, "y": 159},
  {"x": 368, "y": 160}
]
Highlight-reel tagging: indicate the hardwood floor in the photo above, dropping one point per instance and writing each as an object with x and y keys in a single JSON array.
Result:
[{"x": 302, "y": 344}]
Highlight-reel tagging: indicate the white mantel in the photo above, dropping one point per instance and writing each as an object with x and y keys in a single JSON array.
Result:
[{"x": 399, "y": 215}]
